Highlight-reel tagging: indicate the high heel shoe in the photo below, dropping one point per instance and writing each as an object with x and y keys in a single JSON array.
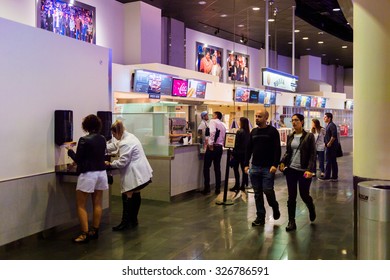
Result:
[
  {"x": 81, "y": 238},
  {"x": 93, "y": 233}
]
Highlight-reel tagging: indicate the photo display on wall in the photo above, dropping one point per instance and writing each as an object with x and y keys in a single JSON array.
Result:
[
  {"x": 237, "y": 68},
  {"x": 151, "y": 82},
  {"x": 209, "y": 60},
  {"x": 75, "y": 20}
]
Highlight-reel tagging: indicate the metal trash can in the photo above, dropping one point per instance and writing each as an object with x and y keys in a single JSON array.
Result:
[{"x": 373, "y": 224}]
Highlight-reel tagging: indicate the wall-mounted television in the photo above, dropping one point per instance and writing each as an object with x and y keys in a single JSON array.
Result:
[
  {"x": 242, "y": 94},
  {"x": 179, "y": 87},
  {"x": 146, "y": 81},
  {"x": 254, "y": 96},
  {"x": 196, "y": 88},
  {"x": 267, "y": 97},
  {"x": 303, "y": 101}
]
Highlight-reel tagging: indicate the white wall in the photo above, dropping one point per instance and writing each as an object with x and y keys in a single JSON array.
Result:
[{"x": 41, "y": 72}]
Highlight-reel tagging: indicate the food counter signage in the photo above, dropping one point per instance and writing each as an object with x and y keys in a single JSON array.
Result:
[
  {"x": 251, "y": 95},
  {"x": 310, "y": 101},
  {"x": 279, "y": 80}
]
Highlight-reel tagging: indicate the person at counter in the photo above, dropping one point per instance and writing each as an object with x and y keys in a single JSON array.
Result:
[
  {"x": 264, "y": 149},
  {"x": 214, "y": 152},
  {"x": 203, "y": 128},
  {"x": 135, "y": 172},
  {"x": 89, "y": 157}
]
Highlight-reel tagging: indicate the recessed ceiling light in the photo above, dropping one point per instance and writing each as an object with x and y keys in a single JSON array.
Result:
[
  {"x": 320, "y": 42},
  {"x": 320, "y": 32},
  {"x": 336, "y": 10},
  {"x": 305, "y": 38},
  {"x": 297, "y": 30},
  {"x": 202, "y": 2},
  {"x": 223, "y": 15},
  {"x": 344, "y": 47},
  {"x": 290, "y": 43},
  {"x": 308, "y": 49},
  {"x": 324, "y": 54},
  {"x": 337, "y": 59},
  {"x": 240, "y": 25},
  {"x": 271, "y": 20},
  {"x": 347, "y": 23},
  {"x": 256, "y": 8}
]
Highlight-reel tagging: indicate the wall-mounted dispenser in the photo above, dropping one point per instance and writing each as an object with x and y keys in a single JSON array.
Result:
[
  {"x": 106, "y": 118},
  {"x": 63, "y": 126}
]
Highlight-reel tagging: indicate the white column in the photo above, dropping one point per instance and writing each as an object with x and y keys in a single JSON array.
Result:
[{"x": 371, "y": 89}]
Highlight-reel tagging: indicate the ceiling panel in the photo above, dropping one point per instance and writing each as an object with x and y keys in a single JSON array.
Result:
[{"x": 315, "y": 20}]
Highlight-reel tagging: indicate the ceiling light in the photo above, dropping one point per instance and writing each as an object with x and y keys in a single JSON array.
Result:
[
  {"x": 223, "y": 15},
  {"x": 305, "y": 38},
  {"x": 320, "y": 42},
  {"x": 275, "y": 11},
  {"x": 256, "y": 8},
  {"x": 271, "y": 20},
  {"x": 240, "y": 25},
  {"x": 202, "y": 2},
  {"x": 308, "y": 49},
  {"x": 324, "y": 54},
  {"x": 347, "y": 23},
  {"x": 336, "y": 10},
  {"x": 337, "y": 59},
  {"x": 320, "y": 32},
  {"x": 344, "y": 47},
  {"x": 216, "y": 31},
  {"x": 297, "y": 30},
  {"x": 290, "y": 43}
]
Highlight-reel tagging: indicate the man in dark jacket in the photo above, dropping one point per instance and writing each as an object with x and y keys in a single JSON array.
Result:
[
  {"x": 264, "y": 148},
  {"x": 331, "y": 143}
]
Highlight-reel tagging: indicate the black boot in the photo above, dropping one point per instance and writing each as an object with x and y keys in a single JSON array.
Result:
[
  {"x": 291, "y": 207},
  {"x": 291, "y": 225},
  {"x": 312, "y": 211},
  {"x": 134, "y": 208},
  {"x": 271, "y": 198},
  {"x": 125, "y": 223}
]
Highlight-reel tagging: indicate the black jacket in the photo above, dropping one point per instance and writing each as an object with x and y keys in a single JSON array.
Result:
[
  {"x": 91, "y": 150},
  {"x": 307, "y": 149},
  {"x": 242, "y": 141}
]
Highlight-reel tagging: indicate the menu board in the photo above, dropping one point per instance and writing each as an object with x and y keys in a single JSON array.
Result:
[
  {"x": 254, "y": 96},
  {"x": 152, "y": 82},
  {"x": 179, "y": 87},
  {"x": 242, "y": 94},
  {"x": 303, "y": 101},
  {"x": 267, "y": 98},
  {"x": 196, "y": 89},
  {"x": 317, "y": 102}
]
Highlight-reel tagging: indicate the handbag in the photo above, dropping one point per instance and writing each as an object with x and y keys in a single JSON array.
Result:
[{"x": 339, "y": 151}]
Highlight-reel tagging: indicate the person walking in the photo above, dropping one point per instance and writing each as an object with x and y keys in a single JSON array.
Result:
[
  {"x": 319, "y": 135},
  {"x": 238, "y": 156},
  {"x": 331, "y": 145},
  {"x": 264, "y": 149},
  {"x": 298, "y": 164},
  {"x": 135, "y": 173}
]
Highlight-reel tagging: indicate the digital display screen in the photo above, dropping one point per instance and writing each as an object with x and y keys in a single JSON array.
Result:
[
  {"x": 267, "y": 98},
  {"x": 242, "y": 94},
  {"x": 152, "y": 82},
  {"x": 179, "y": 87},
  {"x": 254, "y": 96},
  {"x": 196, "y": 89},
  {"x": 303, "y": 101}
]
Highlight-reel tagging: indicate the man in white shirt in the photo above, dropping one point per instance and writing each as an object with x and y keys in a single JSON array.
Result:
[{"x": 214, "y": 153}]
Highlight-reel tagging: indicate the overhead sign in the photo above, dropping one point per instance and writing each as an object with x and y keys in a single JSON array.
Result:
[{"x": 280, "y": 80}]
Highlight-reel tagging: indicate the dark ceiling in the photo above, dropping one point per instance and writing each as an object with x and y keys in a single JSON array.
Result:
[{"x": 234, "y": 19}]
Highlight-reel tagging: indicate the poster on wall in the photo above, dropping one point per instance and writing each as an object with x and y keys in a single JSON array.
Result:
[
  {"x": 209, "y": 60},
  {"x": 68, "y": 18},
  {"x": 237, "y": 68}
]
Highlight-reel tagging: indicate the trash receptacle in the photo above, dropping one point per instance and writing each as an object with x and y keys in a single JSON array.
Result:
[{"x": 373, "y": 228}]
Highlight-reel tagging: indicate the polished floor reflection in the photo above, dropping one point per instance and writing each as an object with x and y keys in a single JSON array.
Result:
[{"x": 198, "y": 228}]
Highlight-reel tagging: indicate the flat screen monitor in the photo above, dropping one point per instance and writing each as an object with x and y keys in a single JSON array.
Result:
[
  {"x": 196, "y": 89},
  {"x": 303, "y": 101},
  {"x": 349, "y": 104},
  {"x": 146, "y": 81},
  {"x": 179, "y": 87},
  {"x": 254, "y": 96},
  {"x": 242, "y": 94}
]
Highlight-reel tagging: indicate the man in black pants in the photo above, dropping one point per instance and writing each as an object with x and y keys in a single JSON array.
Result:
[
  {"x": 214, "y": 153},
  {"x": 331, "y": 143},
  {"x": 264, "y": 148}
]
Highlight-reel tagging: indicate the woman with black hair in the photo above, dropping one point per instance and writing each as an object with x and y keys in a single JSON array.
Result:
[
  {"x": 298, "y": 164},
  {"x": 89, "y": 158},
  {"x": 238, "y": 156}
]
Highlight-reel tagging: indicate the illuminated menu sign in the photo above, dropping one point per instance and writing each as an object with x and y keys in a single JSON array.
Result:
[{"x": 280, "y": 80}]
